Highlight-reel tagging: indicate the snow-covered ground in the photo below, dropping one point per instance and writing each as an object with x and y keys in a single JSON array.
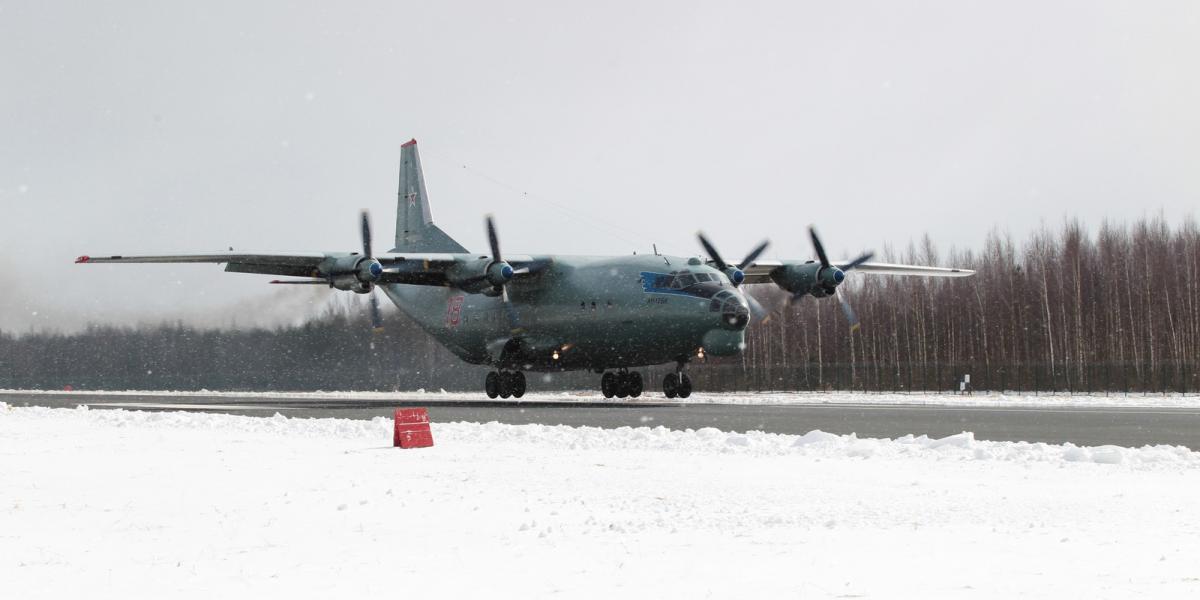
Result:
[
  {"x": 992, "y": 399},
  {"x": 121, "y": 504}
]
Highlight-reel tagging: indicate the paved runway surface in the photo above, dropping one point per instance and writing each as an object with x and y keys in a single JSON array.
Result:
[{"x": 1082, "y": 426}]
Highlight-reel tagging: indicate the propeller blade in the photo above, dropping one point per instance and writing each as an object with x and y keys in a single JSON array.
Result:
[
  {"x": 816, "y": 241},
  {"x": 514, "y": 321},
  {"x": 858, "y": 261},
  {"x": 783, "y": 309},
  {"x": 712, "y": 251},
  {"x": 366, "y": 234},
  {"x": 299, "y": 282},
  {"x": 493, "y": 239},
  {"x": 759, "y": 313},
  {"x": 754, "y": 254},
  {"x": 848, "y": 311},
  {"x": 376, "y": 317}
]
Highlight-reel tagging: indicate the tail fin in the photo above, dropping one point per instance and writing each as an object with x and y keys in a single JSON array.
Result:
[{"x": 415, "y": 231}]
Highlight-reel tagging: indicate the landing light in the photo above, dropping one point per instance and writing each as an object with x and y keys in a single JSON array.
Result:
[
  {"x": 700, "y": 353},
  {"x": 555, "y": 355}
]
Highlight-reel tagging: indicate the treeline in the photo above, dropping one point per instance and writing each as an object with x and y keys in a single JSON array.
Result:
[
  {"x": 1117, "y": 310},
  {"x": 336, "y": 351},
  {"x": 1067, "y": 310}
]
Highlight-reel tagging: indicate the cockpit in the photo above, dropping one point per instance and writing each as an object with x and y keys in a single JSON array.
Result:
[
  {"x": 722, "y": 297},
  {"x": 684, "y": 279}
]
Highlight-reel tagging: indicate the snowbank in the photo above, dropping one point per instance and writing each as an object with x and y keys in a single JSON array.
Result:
[{"x": 120, "y": 504}]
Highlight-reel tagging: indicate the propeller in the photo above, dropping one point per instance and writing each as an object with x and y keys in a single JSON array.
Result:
[
  {"x": 500, "y": 272},
  {"x": 374, "y": 269},
  {"x": 737, "y": 272},
  {"x": 831, "y": 276}
]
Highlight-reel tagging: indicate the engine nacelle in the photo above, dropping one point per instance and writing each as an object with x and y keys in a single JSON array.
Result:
[
  {"x": 354, "y": 273},
  {"x": 808, "y": 278},
  {"x": 481, "y": 276}
]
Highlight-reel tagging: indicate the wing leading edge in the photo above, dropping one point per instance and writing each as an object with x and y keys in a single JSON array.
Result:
[
  {"x": 408, "y": 268},
  {"x": 760, "y": 271}
]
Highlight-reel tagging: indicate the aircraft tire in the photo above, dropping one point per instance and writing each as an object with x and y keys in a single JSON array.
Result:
[
  {"x": 518, "y": 384},
  {"x": 685, "y": 386},
  {"x": 635, "y": 384},
  {"x": 505, "y": 384},
  {"x": 670, "y": 385},
  {"x": 491, "y": 384},
  {"x": 607, "y": 383},
  {"x": 621, "y": 389}
]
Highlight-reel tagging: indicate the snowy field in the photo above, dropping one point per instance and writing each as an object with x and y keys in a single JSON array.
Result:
[
  {"x": 120, "y": 504},
  {"x": 990, "y": 399}
]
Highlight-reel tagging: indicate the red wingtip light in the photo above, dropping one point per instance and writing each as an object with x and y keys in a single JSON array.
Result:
[
  {"x": 412, "y": 142},
  {"x": 83, "y": 259}
]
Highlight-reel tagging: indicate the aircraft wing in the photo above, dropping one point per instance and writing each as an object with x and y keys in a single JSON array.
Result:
[
  {"x": 760, "y": 271},
  {"x": 408, "y": 268},
  {"x": 913, "y": 270},
  {"x": 292, "y": 265}
]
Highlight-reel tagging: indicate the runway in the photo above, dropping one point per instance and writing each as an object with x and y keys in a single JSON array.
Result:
[{"x": 1130, "y": 427}]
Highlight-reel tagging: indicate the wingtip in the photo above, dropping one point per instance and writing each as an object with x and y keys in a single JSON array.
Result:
[
  {"x": 412, "y": 142},
  {"x": 83, "y": 259}
]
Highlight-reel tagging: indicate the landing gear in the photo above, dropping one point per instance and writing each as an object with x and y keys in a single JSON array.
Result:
[
  {"x": 678, "y": 384},
  {"x": 504, "y": 384},
  {"x": 621, "y": 384}
]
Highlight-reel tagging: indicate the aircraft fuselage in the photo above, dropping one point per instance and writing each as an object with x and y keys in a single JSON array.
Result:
[{"x": 588, "y": 313}]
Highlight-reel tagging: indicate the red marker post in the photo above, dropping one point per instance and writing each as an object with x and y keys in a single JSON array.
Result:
[{"x": 412, "y": 428}]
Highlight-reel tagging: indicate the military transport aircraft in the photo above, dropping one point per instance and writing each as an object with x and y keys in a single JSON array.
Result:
[{"x": 607, "y": 314}]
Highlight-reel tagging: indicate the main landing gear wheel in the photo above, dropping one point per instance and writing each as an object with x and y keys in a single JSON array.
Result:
[
  {"x": 677, "y": 385},
  {"x": 517, "y": 384},
  {"x": 504, "y": 385},
  {"x": 491, "y": 384},
  {"x": 634, "y": 384},
  {"x": 621, "y": 384}
]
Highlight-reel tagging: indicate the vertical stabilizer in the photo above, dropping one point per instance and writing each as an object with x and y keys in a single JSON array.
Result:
[{"x": 415, "y": 231}]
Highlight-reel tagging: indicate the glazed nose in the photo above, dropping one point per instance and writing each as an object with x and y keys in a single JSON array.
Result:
[
  {"x": 737, "y": 321},
  {"x": 735, "y": 316}
]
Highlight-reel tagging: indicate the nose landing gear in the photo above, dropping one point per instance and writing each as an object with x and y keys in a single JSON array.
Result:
[
  {"x": 621, "y": 384},
  {"x": 504, "y": 384},
  {"x": 678, "y": 384}
]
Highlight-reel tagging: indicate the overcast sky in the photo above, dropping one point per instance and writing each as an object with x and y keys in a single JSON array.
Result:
[{"x": 586, "y": 128}]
